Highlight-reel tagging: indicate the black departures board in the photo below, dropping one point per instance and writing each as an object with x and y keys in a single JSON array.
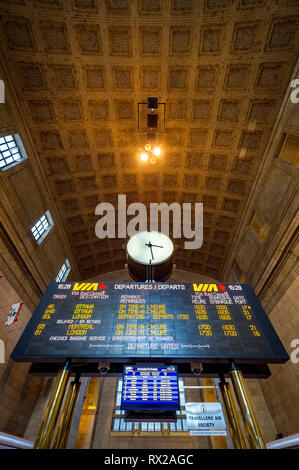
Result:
[
  {"x": 121, "y": 321},
  {"x": 150, "y": 388}
]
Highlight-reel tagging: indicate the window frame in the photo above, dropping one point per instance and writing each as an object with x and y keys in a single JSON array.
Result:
[
  {"x": 20, "y": 150},
  {"x": 66, "y": 273},
  {"x": 46, "y": 231}
]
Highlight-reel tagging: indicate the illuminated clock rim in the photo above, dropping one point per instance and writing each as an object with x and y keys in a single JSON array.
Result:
[{"x": 147, "y": 263}]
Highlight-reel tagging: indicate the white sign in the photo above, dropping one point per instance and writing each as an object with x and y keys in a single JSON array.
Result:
[
  {"x": 14, "y": 313},
  {"x": 205, "y": 416}
]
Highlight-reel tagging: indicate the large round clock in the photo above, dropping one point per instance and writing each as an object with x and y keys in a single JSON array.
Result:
[{"x": 150, "y": 256}]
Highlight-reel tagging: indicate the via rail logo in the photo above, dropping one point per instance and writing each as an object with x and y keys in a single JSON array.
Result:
[
  {"x": 208, "y": 287},
  {"x": 87, "y": 286}
]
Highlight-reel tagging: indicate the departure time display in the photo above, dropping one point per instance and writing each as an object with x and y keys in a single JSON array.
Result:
[
  {"x": 148, "y": 388},
  {"x": 153, "y": 321}
]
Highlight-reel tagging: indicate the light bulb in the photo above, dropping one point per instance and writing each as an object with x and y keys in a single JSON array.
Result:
[
  {"x": 153, "y": 160},
  {"x": 157, "y": 151},
  {"x": 143, "y": 157},
  {"x": 148, "y": 147}
]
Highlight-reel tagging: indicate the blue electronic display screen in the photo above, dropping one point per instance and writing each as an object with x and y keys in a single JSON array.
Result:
[
  {"x": 157, "y": 322},
  {"x": 150, "y": 388}
]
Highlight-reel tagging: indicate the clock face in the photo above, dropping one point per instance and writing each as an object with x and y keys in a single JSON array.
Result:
[{"x": 150, "y": 247}]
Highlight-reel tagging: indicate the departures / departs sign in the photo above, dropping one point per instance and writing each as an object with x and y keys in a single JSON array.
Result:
[{"x": 150, "y": 321}]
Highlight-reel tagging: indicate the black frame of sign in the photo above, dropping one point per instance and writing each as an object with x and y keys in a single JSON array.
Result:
[{"x": 46, "y": 362}]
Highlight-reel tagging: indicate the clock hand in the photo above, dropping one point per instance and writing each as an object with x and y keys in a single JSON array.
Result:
[
  {"x": 158, "y": 246},
  {"x": 150, "y": 246}
]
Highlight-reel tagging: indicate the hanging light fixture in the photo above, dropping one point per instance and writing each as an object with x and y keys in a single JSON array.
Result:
[
  {"x": 143, "y": 156},
  {"x": 152, "y": 151},
  {"x": 150, "y": 154}
]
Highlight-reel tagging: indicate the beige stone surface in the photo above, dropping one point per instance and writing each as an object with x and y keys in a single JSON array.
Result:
[
  {"x": 281, "y": 390},
  {"x": 19, "y": 391}
]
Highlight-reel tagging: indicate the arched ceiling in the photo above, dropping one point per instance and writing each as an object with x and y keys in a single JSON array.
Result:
[{"x": 79, "y": 68}]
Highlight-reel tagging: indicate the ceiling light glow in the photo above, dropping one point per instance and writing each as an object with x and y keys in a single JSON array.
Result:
[{"x": 143, "y": 157}]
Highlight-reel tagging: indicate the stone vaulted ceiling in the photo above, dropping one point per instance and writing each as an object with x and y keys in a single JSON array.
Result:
[{"x": 79, "y": 68}]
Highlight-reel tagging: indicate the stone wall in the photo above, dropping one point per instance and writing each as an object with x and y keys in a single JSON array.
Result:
[
  {"x": 281, "y": 390},
  {"x": 39, "y": 409},
  {"x": 27, "y": 267},
  {"x": 19, "y": 391},
  {"x": 265, "y": 254},
  {"x": 24, "y": 197},
  {"x": 262, "y": 410}
]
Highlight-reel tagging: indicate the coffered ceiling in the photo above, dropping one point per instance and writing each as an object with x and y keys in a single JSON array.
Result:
[{"x": 79, "y": 68}]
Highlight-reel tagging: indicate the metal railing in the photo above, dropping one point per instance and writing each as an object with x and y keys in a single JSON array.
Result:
[
  {"x": 8, "y": 441},
  {"x": 288, "y": 442}
]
